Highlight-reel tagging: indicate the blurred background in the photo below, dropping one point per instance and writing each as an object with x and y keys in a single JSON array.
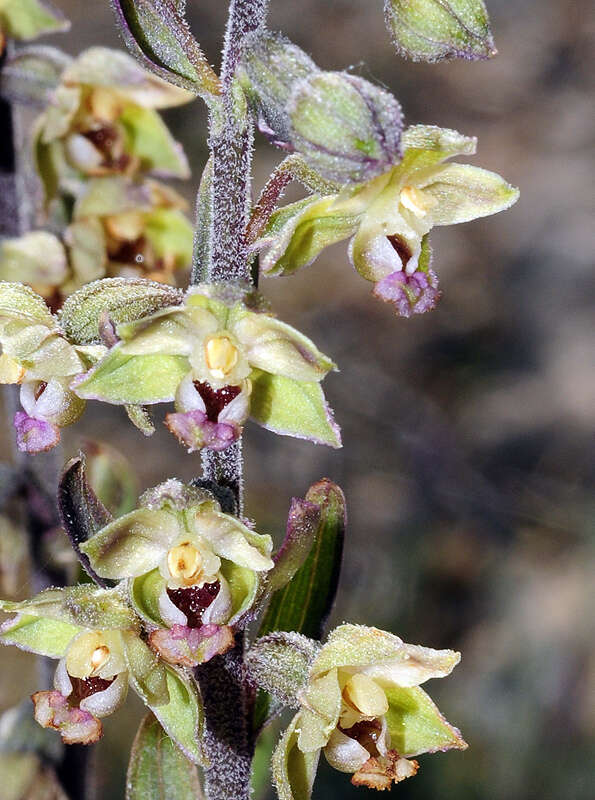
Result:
[{"x": 468, "y": 458}]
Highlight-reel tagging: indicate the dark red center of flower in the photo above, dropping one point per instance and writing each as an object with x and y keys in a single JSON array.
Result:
[
  {"x": 401, "y": 247},
  {"x": 85, "y": 687},
  {"x": 129, "y": 252},
  {"x": 216, "y": 399},
  {"x": 194, "y": 601},
  {"x": 366, "y": 733}
]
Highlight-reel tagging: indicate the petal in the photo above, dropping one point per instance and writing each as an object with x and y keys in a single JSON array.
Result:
[
  {"x": 442, "y": 143},
  {"x": 232, "y": 540},
  {"x": 306, "y": 235},
  {"x": 463, "y": 193},
  {"x": 34, "y": 435},
  {"x": 190, "y": 647},
  {"x": 357, "y": 646},
  {"x": 275, "y": 347},
  {"x": 195, "y": 431},
  {"x": 413, "y": 665},
  {"x": 132, "y": 544},
  {"x": 344, "y": 753},
  {"x": 174, "y": 331},
  {"x": 322, "y": 700},
  {"x": 102, "y": 704},
  {"x": 75, "y": 725}
]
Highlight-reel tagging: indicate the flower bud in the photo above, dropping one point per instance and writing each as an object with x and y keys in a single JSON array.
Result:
[
  {"x": 430, "y": 30},
  {"x": 347, "y": 129},
  {"x": 270, "y": 67}
]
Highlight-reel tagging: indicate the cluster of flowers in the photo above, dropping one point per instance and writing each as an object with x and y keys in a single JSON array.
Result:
[{"x": 95, "y": 146}]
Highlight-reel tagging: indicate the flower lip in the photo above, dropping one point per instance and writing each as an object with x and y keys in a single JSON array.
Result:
[
  {"x": 194, "y": 601},
  {"x": 215, "y": 400}
]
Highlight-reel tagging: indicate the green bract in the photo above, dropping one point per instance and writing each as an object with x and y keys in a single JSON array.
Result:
[
  {"x": 389, "y": 217},
  {"x": 221, "y": 362},
  {"x": 363, "y": 706}
]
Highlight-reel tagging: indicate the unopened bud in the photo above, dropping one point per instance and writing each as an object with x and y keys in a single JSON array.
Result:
[
  {"x": 430, "y": 30},
  {"x": 346, "y": 128}
]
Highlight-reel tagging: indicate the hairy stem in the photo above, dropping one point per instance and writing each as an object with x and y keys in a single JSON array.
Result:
[{"x": 229, "y": 742}]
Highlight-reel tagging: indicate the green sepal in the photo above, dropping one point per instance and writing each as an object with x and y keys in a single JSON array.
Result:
[
  {"x": 243, "y": 585},
  {"x": 122, "y": 299},
  {"x": 133, "y": 544},
  {"x": 416, "y": 725},
  {"x": 46, "y": 637},
  {"x": 148, "y": 138},
  {"x": 27, "y": 19},
  {"x": 84, "y": 606},
  {"x": 183, "y": 717},
  {"x": 169, "y": 231},
  {"x": 146, "y": 672},
  {"x": 157, "y": 766},
  {"x": 133, "y": 380},
  {"x": 293, "y": 770},
  {"x": 144, "y": 596},
  {"x": 292, "y": 408}
]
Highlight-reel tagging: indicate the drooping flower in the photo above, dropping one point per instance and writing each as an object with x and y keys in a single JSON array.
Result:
[
  {"x": 101, "y": 650},
  {"x": 221, "y": 360},
  {"x": 102, "y": 121},
  {"x": 362, "y": 706},
  {"x": 388, "y": 218},
  {"x": 195, "y": 571},
  {"x": 37, "y": 356}
]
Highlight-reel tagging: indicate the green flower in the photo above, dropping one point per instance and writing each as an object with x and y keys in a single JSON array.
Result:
[
  {"x": 96, "y": 637},
  {"x": 363, "y": 707},
  {"x": 388, "y": 219},
  {"x": 102, "y": 121},
  {"x": 221, "y": 362},
  {"x": 36, "y": 355},
  {"x": 194, "y": 571}
]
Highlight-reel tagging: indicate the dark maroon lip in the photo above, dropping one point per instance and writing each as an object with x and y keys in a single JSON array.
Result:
[
  {"x": 194, "y": 601},
  {"x": 85, "y": 687},
  {"x": 215, "y": 400}
]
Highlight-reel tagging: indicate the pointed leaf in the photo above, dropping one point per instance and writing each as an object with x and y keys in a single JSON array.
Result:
[
  {"x": 302, "y": 528},
  {"x": 158, "y": 770},
  {"x": 293, "y": 408},
  {"x": 122, "y": 299},
  {"x": 156, "y": 32},
  {"x": 81, "y": 511}
]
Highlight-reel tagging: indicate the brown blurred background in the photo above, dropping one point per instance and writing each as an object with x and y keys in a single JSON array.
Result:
[{"x": 468, "y": 433}]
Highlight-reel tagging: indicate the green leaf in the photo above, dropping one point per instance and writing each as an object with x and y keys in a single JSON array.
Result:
[
  {"x": 147, "y": 673},
  {"x": 182, "y": 716},
  {"x": 292, "y": 408},
  {"x": 303, "y": 524},
  {"x": 148, "y": 137},
  {"x": 122, "y": 299},
  {"x": 304, "y": 604},
  {"x": 157, "y": 32},
  {"x": 133, "y": 380},
  {"x": 293, "y": 770},
  {"x": 204, "y": 222},
  {"x": 46, "y": 637},
  {"x": 158, "y": 770},
  {"x": 415, "y": 724}
]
